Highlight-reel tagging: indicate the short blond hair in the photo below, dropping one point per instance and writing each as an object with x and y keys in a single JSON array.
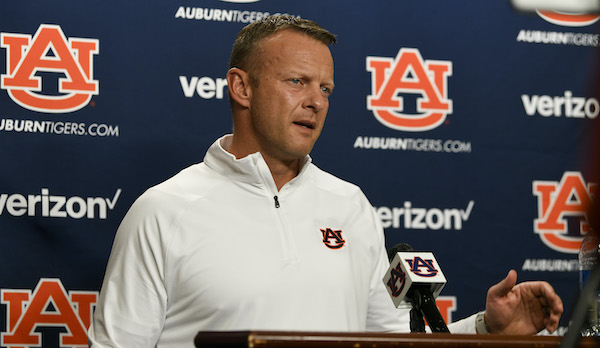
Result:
[{"x": 244, "y": 47}]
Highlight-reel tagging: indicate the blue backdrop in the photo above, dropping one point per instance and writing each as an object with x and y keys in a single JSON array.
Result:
[{"x": 467, "y": 124}]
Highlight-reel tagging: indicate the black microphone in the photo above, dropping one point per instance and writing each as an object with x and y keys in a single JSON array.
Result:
[
  {"x": 416, "y": 277},
  {"x": 400, "y": 247}
]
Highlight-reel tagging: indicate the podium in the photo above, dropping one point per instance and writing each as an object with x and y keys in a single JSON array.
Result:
[{"x": 280, "y": 339}]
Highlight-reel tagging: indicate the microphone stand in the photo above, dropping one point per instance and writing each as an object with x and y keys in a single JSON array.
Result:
[
  {"x": 424, "y": 305},
  {"x": 417, "y": 324},
  {"x": 588, "y": 295}
]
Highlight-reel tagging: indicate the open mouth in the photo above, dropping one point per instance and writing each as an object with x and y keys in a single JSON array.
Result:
[{"x": 305, "y": 124}]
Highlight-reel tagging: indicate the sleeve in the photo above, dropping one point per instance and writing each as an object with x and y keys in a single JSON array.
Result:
[
  {"x": 132, "y": 304},
  {"x": 464, "y": 326}
]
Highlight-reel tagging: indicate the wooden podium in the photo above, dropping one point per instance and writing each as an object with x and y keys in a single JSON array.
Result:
[{"x": 269, "y": 339}]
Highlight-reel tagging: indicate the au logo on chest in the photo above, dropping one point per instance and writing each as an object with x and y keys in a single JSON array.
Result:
[{"x": 332, "y": 238}]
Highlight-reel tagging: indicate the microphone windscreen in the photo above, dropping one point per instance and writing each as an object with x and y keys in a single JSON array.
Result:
[{"x": 398, "y": 248}]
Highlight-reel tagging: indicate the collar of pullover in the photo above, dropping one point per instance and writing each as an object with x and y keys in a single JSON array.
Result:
[{"x": 251, "y": 169}]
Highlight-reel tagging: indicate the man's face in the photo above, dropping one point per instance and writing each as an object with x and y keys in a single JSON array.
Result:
[{"x": 289, "y": 99}]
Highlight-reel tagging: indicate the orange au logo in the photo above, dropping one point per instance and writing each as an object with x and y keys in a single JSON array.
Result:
[
  {"x": 332, "y": 238},
  {"x": 49, "y": 51},
  {"x": 568, "y": 19},
  {"x": 557, "y": 201},
  {"x": 408, "y": 73},
  {"x": 49, "y": 306}
]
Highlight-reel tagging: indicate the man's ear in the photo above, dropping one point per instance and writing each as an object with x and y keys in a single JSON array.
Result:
[{"x": 238, "y": 82}]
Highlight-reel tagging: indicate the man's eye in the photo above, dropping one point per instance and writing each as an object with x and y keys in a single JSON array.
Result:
[
  {"x": 326, "y": 90},
  {"x": 295, "y": 81}
]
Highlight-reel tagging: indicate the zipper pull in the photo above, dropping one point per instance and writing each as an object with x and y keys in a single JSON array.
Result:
[{"x": 276, "y": 202}]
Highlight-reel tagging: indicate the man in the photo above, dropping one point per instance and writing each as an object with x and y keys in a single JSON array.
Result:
[{"x": 256, "y": 236}]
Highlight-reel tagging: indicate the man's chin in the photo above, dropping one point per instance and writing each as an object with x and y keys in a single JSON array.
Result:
[{"x": 298, "y": 153}]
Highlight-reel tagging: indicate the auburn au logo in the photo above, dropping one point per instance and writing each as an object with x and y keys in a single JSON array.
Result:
[
  {"x": 557, "y": 201},
  {"x": 49, "y": 305},
  {"x": 397, "y": 280},
  {"x": 422, "y": 267},
  {"x": 408, "y": 73},
  {"x": 49, "y": 51},
  {"x": 332, "y": 238},
  {"x": 568, "y": 19}
]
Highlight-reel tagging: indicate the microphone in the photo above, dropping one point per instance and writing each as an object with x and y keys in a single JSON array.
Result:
[{"x": 416, "y": 277}]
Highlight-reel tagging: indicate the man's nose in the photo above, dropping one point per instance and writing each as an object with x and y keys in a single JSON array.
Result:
[{"x": 316, "y": 99}]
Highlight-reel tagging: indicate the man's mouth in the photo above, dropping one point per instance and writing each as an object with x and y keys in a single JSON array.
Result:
[{"x": 305, "y": 124}]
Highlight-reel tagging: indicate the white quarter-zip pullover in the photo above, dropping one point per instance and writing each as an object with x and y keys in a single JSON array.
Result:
[{"x": 217, "y": 247}]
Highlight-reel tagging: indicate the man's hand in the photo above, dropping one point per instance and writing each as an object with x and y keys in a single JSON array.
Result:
[{"x": 523, "y": 309}]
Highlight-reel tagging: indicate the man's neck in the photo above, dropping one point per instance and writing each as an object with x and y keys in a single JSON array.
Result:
[{"x": 282, "y": 171}]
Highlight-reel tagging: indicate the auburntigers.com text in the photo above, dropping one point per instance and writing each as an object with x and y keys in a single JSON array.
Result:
[{"x": 51, "y": 127}]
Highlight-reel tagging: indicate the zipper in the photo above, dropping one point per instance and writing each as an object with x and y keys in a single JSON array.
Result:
[{"x": 287, "y": 242}]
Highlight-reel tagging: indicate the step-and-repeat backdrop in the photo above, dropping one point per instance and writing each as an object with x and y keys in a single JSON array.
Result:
[{"x": 466, "y": 123}]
